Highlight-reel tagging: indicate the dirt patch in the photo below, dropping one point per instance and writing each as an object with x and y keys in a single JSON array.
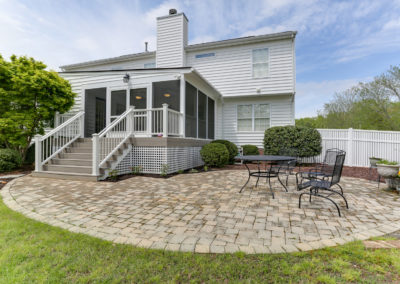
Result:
[{"x": 356, "y": 172}]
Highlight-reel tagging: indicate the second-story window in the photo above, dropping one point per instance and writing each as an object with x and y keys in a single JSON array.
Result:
[
  {"x": 205, "y": 55},
  {"x": 260, "y": 63},
  {"x": 149, "y": 65}
]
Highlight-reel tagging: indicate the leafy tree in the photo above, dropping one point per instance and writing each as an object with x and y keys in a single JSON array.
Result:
[
  {"x": 29, "y": 97},
  {"x": 371, "y": 105}
]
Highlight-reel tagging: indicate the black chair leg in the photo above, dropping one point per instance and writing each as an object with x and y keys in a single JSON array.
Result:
[{"x": 270, "y": 188}]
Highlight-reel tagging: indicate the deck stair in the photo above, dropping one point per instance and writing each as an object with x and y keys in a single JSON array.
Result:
[{"x": 75, "y": 162}]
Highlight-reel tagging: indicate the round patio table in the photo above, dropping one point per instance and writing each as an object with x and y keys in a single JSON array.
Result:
[{"x": 267, "y": 172}]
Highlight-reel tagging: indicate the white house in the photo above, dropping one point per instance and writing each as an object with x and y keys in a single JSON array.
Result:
[{"x": 156, "y": 109}]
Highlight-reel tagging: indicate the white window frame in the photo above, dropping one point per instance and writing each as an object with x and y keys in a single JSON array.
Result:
[
  {"x": 252, "y": 118},
  {"x": 252, "y": 63}
]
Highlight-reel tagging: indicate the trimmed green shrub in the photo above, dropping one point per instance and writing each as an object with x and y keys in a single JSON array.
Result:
[
  {"x": 305, "y": 141},
  {"x": 250, "y": 150},
  {"x": 9, "y": 160},
  {"x": 215, "y": 154},
  {"x": 232, "y": 149}
]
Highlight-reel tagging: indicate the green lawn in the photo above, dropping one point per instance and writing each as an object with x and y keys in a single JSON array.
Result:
[{"x": 34, "y": 252}]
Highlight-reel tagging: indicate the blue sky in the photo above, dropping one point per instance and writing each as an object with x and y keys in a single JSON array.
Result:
[{"x": 339, "y": 43}]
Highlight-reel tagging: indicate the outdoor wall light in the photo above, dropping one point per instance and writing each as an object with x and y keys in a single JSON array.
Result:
[
  {"x": 126, "y": 78},
  {"x": 167, "y": 95}
]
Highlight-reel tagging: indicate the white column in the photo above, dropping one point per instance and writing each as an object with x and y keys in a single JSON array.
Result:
[
  {"x": 130, "y": 124},
  {"x": 149, "y": 113},
  {"x": 165, "y": 120},
  {"x": 95, "y": 154},
  {"x": 182, "y": 106},
  {"x": 38, "y": 153}
]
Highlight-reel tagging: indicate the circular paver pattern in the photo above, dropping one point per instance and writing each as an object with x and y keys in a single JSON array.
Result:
[{"x": 204, "y": 212}]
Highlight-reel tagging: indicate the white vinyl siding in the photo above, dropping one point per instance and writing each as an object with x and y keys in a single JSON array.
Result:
[
  {"x": 260, "y": 62},
  {"x": 230, "y": 71},
  {"x": 280, "y": 112},
  {"x": 171, "y": 37},
  {"x": 128, "y": 64}
]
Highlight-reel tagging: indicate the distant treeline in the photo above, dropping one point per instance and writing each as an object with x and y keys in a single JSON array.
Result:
[{"x": 373, "y": 105}]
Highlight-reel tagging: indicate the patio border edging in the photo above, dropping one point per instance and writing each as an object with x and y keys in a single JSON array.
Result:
[{"x": 11, "y": 203}]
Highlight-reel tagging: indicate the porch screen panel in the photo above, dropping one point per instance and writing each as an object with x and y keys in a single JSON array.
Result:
[
  {"x": 202, "y": 115},
  {"x": 138, "y": 98},
  {"x": 191, "y": 111},
  {"x": 167, "y": 92},
  {"x": 211, "y": 118},
  {"x": 118, "y": 102}
]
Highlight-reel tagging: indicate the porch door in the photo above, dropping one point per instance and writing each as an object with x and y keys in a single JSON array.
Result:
[{"x": 95, "y": 109}]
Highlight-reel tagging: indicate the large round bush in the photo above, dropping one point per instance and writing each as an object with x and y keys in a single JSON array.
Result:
[
  {"x": 305, "y": 141},
  {"x": 9, "y": 160},
  {"x": 232, "y": 149},
  {"x": 250, "y": 150},
  {"x": 215, "y": 154}
]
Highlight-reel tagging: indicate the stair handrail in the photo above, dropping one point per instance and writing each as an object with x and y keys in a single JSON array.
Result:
[
  {"x": 51, "y": 144},
  {"x": 120, "y": 130}
]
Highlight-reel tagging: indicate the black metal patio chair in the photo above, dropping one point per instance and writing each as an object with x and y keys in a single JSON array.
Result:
[
  {"x": 321, "y": 170},
  {"x": 327, "y": 178}
]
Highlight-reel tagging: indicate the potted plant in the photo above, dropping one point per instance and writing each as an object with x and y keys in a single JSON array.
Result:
[
  {"x": 373, "y": 161},
  {"x": 388, "y": 169}
]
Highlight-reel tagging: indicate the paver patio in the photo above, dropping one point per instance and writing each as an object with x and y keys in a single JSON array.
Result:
[{"x": 204, "y": 212}]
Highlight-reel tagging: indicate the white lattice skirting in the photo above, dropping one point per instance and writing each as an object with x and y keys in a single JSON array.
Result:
[{"x": 153, "y": 159}]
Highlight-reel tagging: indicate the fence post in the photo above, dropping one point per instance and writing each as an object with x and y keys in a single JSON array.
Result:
[
  {"x": 82, "y": 125},
  {"x": 165, "y": 120},
  {"x": 350, "y": 146},
  {"x": 38, "y": 153},
  {"x": 95, "y": 154},
  {"x": 56, "y": 119}
]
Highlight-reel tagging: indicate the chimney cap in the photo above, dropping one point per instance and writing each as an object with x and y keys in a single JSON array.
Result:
[{"x": 172, "y": 11}]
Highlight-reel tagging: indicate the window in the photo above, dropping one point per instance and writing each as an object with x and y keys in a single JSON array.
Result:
[
  {"x": 253, "y": 117},
  {"x": 204, "y": 55},
  {"x": 260, "y": 63},
  {"x": 149, "y": 65}
]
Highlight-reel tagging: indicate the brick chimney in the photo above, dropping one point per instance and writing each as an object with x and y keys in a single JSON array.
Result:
[{"x": 172, "y": 38}]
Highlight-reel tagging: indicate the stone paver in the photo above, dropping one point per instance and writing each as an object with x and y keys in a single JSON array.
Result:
[{"x": 205, "y": 213}]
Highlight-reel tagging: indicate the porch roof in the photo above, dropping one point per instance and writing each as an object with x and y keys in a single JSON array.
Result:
[{"x": 190, "y": 73}]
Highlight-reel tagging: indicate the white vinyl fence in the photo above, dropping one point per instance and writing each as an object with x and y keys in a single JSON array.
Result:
[{"x": 362, "y": 144}]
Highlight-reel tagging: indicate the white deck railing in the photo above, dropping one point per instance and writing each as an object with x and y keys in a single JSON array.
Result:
[
  {"x": 146, "y": 122},
  {"x": 54, "y": 142}
]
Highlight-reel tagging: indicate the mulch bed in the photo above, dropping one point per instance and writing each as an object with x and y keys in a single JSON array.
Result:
[
  {"x": 25, "y": 169},
  {"x": 356, "y": 172}
]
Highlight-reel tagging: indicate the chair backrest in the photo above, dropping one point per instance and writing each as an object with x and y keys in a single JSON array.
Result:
[
  {"x": 291, "y": 152},
  {"x": 333, "y": 165}
]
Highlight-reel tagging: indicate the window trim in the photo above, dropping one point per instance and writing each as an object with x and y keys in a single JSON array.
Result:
[
  {"x": 252, "y": 118},
  {"x": 252, "y": 63}
]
